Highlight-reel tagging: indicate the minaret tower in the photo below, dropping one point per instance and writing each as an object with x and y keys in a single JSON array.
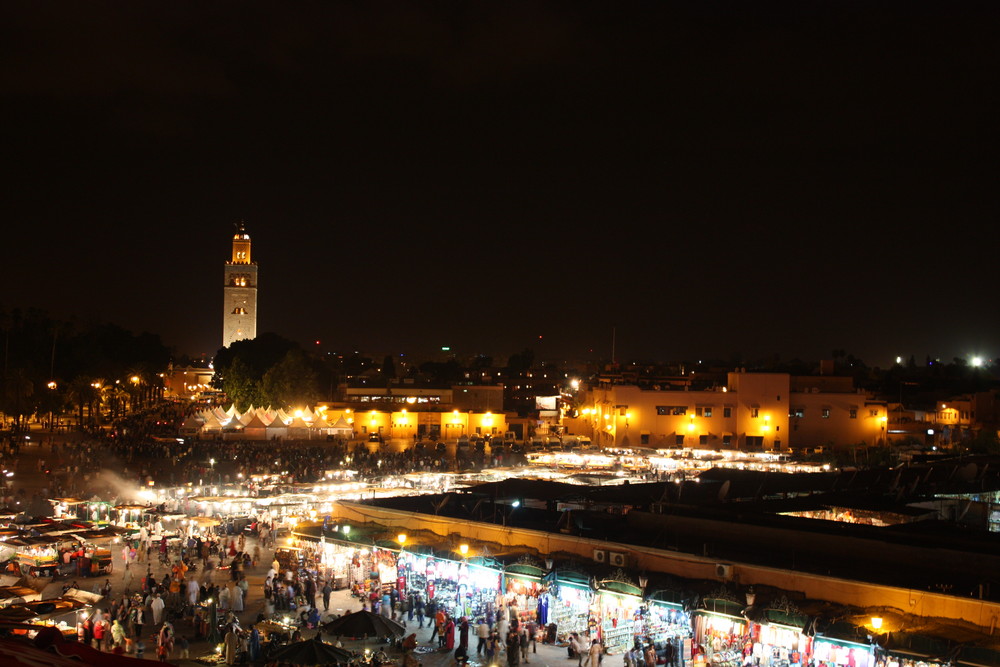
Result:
[{"x": 239, "y": 317}]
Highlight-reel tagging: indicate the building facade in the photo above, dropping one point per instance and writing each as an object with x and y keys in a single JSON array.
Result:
[
  {"x": 239, "y": 316},
  {"x": 751, "y": 412}
]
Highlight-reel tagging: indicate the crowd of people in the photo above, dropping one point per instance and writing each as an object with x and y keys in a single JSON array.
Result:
[{"x": 145, "y": 450}]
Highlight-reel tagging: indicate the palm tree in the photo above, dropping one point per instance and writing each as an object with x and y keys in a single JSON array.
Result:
[{"x": 84, "y": 391}]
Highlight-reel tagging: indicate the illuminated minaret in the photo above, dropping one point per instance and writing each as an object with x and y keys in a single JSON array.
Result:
[{"x": 239, "y": 317}]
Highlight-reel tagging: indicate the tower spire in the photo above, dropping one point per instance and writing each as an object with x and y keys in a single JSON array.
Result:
[{"x": 239, "y": 317}]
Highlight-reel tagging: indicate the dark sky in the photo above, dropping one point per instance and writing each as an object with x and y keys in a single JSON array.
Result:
[{"x": 690, "y": 180}]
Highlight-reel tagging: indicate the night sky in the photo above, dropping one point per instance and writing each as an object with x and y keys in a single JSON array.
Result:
[{"x": 690, "y": 180}]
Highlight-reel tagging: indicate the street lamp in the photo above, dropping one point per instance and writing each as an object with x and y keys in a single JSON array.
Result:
[
  {"x": 52, "y": 387},
  {"x": 401, "y": 538},
  {"x": 463, "y": 549}
]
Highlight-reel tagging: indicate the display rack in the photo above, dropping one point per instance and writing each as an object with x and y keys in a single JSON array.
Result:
[
  {"x": 617, "y": 638},
  {"x": 568, "y": 618}
]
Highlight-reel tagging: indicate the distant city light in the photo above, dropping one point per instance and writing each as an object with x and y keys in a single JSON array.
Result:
[{"x": 977, "y": 362}]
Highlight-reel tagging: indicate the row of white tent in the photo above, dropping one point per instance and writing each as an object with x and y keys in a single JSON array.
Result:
[{"x": 264, "y": 424}]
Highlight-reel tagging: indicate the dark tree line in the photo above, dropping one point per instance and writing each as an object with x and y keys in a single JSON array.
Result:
[{"x": 52, "y": 366}]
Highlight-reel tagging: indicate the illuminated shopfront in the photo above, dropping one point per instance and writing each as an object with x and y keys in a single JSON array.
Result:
[
  {"x": 664, "y": 621},
  {"x": 568, "y": 603},
  {"x": 616, "y": 611},
  {"x": 524, "y": 590},
  {"x": 721, "y": 634},
  {"x": 828, "y": 652}
]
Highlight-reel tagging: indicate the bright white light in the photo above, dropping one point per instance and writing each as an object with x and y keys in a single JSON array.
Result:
[{"x": 977, "y": 362}]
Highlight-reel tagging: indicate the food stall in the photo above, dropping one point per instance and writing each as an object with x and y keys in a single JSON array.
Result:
[{"x": 37, "y": 556}]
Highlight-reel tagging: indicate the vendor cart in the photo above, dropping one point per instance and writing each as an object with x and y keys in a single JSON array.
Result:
[{"x": 31, "y": 565}]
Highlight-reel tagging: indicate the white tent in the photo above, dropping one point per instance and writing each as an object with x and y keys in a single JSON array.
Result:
[
  {"x": 300, "y": 429},
  {"x": 192, "y": 425},
  {"x": 341, "y": 429},
  {"x": 212, "y": 423},
  {"x": 255, "y": 428}
]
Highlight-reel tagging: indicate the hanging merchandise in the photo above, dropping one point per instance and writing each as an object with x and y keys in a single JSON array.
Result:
[
  {"x": 618, "y": 617},
  {"x": 839, "y": 653},
  {"x": 568, "y": 610},
  {"x": 720, "y": 640},
  {"x": 661, "y": 622}
]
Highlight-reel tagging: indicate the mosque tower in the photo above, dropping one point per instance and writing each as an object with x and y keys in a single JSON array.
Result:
[{"x": 239, "y": 317}]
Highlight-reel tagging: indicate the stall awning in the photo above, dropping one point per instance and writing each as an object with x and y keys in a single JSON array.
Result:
[
  {"x": 619, "y": 587},
  {"x": 723, "y": 607},
  {"x": 571, "y": 578},
  {"x": 524, "y": 571},
  {"x": 666, "y": 598}
]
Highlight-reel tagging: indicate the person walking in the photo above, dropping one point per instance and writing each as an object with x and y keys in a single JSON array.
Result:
[
  {"x": 156, "y": 606},
  {"x": 438, "y": 627},
  {"x": 127, "y": 578},
  {"x": 513, "y": 649},
  {"x": 236, "y": 600},
  {"x": 419, "y": 611},
  {"x": 492, "y": 647},
  {"x": 595, "y": 654},
  {"x": 532, "y": 627},
  {"x": 327, "y": 590},
  {"x": 463, "y": 634},
  {"x": 449, "y": 633},
  {"x": 483, "y": 634},
  {"x": 576, "y": 649}
]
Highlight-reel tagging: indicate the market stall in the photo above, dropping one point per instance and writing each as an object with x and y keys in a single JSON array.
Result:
[
  {"x": 616, "y": 613},
  {"x": 569, "y": 599},
  {"x": 721, "y": 632},
  {"x": 39, "y": 556},
  {"x": 524, "y": 588},
  {"x": 665, "y": 622}
]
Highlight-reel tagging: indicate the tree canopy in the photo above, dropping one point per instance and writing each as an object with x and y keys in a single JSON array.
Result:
[{"x": 268, "y": 370}]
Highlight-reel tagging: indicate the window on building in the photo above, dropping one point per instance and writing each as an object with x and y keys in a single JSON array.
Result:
[
  {"x": 727, "y": 440},
  {"x": 797, "y": 412},
  {"x": 754, "y": 413},
  {"x": 854, "y": 413},
  {"x": 703, "y": 412},
  {"x": 826, "y": 413},
  {"x": 672, "y": 410},
  {"x": 873, "y": 413},
  {"x": 727, "y": 412},
  {"x": 679, "y": 440},
  {"x": 702, "y": 439}
]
